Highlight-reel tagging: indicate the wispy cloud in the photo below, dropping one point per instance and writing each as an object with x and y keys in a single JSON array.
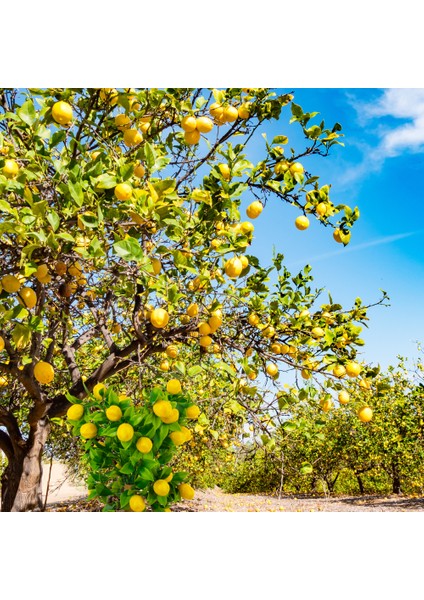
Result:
[
  {"x": 403, "y": 104},
  {"x": 388, "y": 239}
]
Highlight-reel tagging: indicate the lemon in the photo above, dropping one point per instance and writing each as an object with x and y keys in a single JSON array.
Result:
[
  {"x": 139, "y": 171},
  {"x": 353, "y": 369},
  {"x": 172, "y": 418},
  {"x": 62, "y": 113},
  {"x": 204, "y": 124},
  {"x": 254, "y": 319},
  {"x": 88, "y": 431},
  {"x": 3, "y": 381},
  {"x": 244, "y": 111},
  {"x": 216, "y": 110},
  {"x": 336, "y": 236},
  {"x": 230, "y": 114},
  {"x": 137, "y": 503},
  {"x": 122, "y": 122},
  {"x": 193, "y": 310},
  {"x": 177, "y": 437},
  {"x": 10, "y": 169},
  {"x": 10, "y": 284},
  {"x": 317, "y": 332},
  {"x": 187, "y": 433},
  {"x": 161, "y": 487},
  {"x": 225, "y": 171},
  {"x": 339, "y": 371},
  {"x": 192, "y": 137},
  {"x": 41, "y": 272},
  {"x": 123, "y": 191},
  {"x": 365, "y": 414},
  {"x": 272, "y": 369},
  {"x": 326, "y": 405},
  {"x": 164, "y": 365},
  {"x": 188, "y": 124},
  {"x": 296, "y": 167},
  {"x": 99, "y": 391},
  {"x": 162, "y": 408},
  {"x": 204, "y": 328},
  {"x": 125, "y": 432},
  {"x": 186, "y": 491},
  {"x": 172, "y": 351},
  {"x": 365, "y": 384},
  {"x": 214, "y": 323},
  {"x": 144, "y": 445},
  {"x": 1, "y": 343},
  {"x": 75, "y": 412},
  {"x": 27, "y": 297},
  {"x": 205, "y": 341},
  {"x": 343, "y": 397},
  {"x": 281, "y": 167},
  {"x": 233, "y": 267},
  {"x": 173, "y": 387},
  {"x": 109, "y": 95},
  {"x": 193, "y": 412},
  {"x": 302, "y": 222},
  {"x": 254, "y": 209},
  {"x": 43, "y": 372},
  {"x": 321, "y": 209},
  {"x": 114, "y": 413},
  {"x": 132, "y": 137},
  {"x": 159, "y": 318},
  {"x": 169, "y": 478}
]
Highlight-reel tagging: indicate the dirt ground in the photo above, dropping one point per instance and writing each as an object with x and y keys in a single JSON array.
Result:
[{"x": 66, "y": 495}]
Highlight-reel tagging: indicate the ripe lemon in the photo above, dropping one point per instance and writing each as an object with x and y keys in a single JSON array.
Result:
[
  {"x": 164, "y": 365},
  {"x": 365, "y": 384},
  {"x": 88, "y": 431},
  {"x": 272, "y": 370},
  {"x": 125, "y": 432},
  {"x": 60, "y": 267},
  {"x": 123, "y": 191},
  {"x": 336, "y": 236},
  {"x": 122, "y": 122},
  {"x": 109, "y": 95},
  {"x": 193, "y": 310},
  {"x": 169, "y": 478},
  {"x": 159, "y": 318},
  {"x": 244, "y": 110},
  {"x": 296, "y": 167},
  {"x": 62, "y": 113},
  {"x": 162, "y": 408},
  {"x": 216, "y": 110},
  {"x": 1, "y": 343},
  {"x": 230, "y": 114},
  {"x": 172, "y": 351},
  {"x": 10, "y": 284},
  {"x": 365, "y": 414},
  {"x": 254, "y": 319},
  {"x": 233, "y": 267},
  {"x": 187, "y": 433},
  {"x": 193, "y": 412},
  {"x": 339, "y": 371},
  {"x": 275, "y": 348},
  {"x": 353, "y": 369},
  {"x": 137, "y": 503},
  {"x": 326, "y": 405},
  {"x": 132, "y": 137},
  {"x": 114, "y": 413},
  {"x": 10, "y": 169},
  {"x": 173, "y": 387},
  {"x": 254, "y": 209},
  {"x": 173, "y": 417},
  {"x": 99, "y": 391},
  {"x": 281, "y": 167},
  {"x": 343, "y": 397},
  {"x": 321, "y": 209},
  {"x": 161, "y": 487},
  {"x": 177, "y": 437},
  {"x": 204, "y": 124},
  {"x": 27, "y": 297},
  {"x": 192, "y": 137},
  {"x": 247, "y": 227},
  {"x": 306, "y": 374},
  {"x": 205, "y": 341},
  {"x": 204, "y": 328},
  {"x": 157, "y": 266},
  {"x": 41, "y": 272},
  {"x": 43, "y": 372},
  {"x": 144, "y": 445},
  {"x": 188, "y": 123},
  {"x": 186, "y": 491},
  {"x": 75, "y": 412},
  {"x": 317, "y": 332},
  {"x": 3, "y": 381},
  {"x": 214, "y": 323},
  {"x": 139, "y": 171},
  {"x": 225, "y": 171},
  {"x": 302, "y": 222}
]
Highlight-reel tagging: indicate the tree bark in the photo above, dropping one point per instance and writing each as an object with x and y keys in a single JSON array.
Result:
[
  {"x": 395, "y": 479},
  {"x": 21, "y": 482},
  {"x": 360, "y": 483}
]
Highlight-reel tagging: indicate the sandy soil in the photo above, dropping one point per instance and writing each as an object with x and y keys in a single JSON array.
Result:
[{"x": 67, "y": 495}]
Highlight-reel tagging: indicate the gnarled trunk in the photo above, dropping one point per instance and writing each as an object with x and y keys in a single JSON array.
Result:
[{"x": 21, "y": 482}]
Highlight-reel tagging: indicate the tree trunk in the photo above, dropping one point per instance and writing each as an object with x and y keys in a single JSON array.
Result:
[
  {"x": 360, "y": 483},
  {"x": 21, "y": 482},
  {"x": 395, "y": 479}
]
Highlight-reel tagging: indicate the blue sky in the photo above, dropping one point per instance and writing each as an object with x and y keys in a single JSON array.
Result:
[{"x": 378, "y": 170}]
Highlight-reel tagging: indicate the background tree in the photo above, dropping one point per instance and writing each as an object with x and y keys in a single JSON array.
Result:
[{"x": 121, "y": 235}]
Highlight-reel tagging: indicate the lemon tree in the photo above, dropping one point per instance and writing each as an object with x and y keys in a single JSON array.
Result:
[{"x": 123, "y": 233}]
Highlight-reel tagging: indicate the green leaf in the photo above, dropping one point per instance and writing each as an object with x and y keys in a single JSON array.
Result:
[
  {"x": 129, "y": 249},
  {"x": 76, "y": 192},
  {"x": 54, "y": 220},
  {"x": 27, "y": 113},
  {"x": 105, "y": 182},
  {"x": 146, "y": 475},
  {"x": 297, "y": 110},
  {"x": 195, "y": 370},
  {"x": 149, "y": 155}
]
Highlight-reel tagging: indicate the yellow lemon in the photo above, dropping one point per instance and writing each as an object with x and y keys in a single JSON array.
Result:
[
  {"x": 132, "y": 137},
  {"x": 193, "y": 310},
  {"x": 162, "y": 408},
  {"x": 204, "y": 124},
  {"x": 230, "y": 114},
  {"x": 343, "y": 397},
  {"x": 125, "y": 432},
  {"x": 137, "y": 503},
  {"x": 88, "y": 431},
  {"x": 339, "y": 371},
  {"x": 225, "y": 171},
  {"x": 62, "y": 113},
  {"x": 1, "y": 343},
  {"x": 173, "y": 417},
  {"x": 302, "y": 222},
  {"x": 272, "y": 370},
  {"x": 192, "y": 137},
  {"x": 99, "y": 391},
  {"x": 214, "y": 323},
  {"x": 173, "y": 387},
  {"x": 43, "y": 372},
  {"x": 365, "y": 414},
  {"x": 10, "y": 169},
  {"x": 205, "y": 341},
  {"x": 10, "y": 284},
  {"x": 254, "y": 209},
  {"x": 159, "y": 318},
  {"x": 114, "y": 413},
  {"x": 186, "y": 491},
  {"x": 188, "y": 123},
  {"x": 233, "y": 267},
  {"x": 353, "y": 369},
  {"x": 172, "y": 351},
  {"x": 123, "y": 191},
  {"x": 75, "y": 412},
  {"x": 144, "y": 445},
  {"x": 161, "y": 487},
  {"x": 177, "y": 437},
  {"x": 204, "y": 328},
  {"x": 296, "y": 167},
  {"x": 139, "y": 171},
  {"x": 193, "y": 412}
]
